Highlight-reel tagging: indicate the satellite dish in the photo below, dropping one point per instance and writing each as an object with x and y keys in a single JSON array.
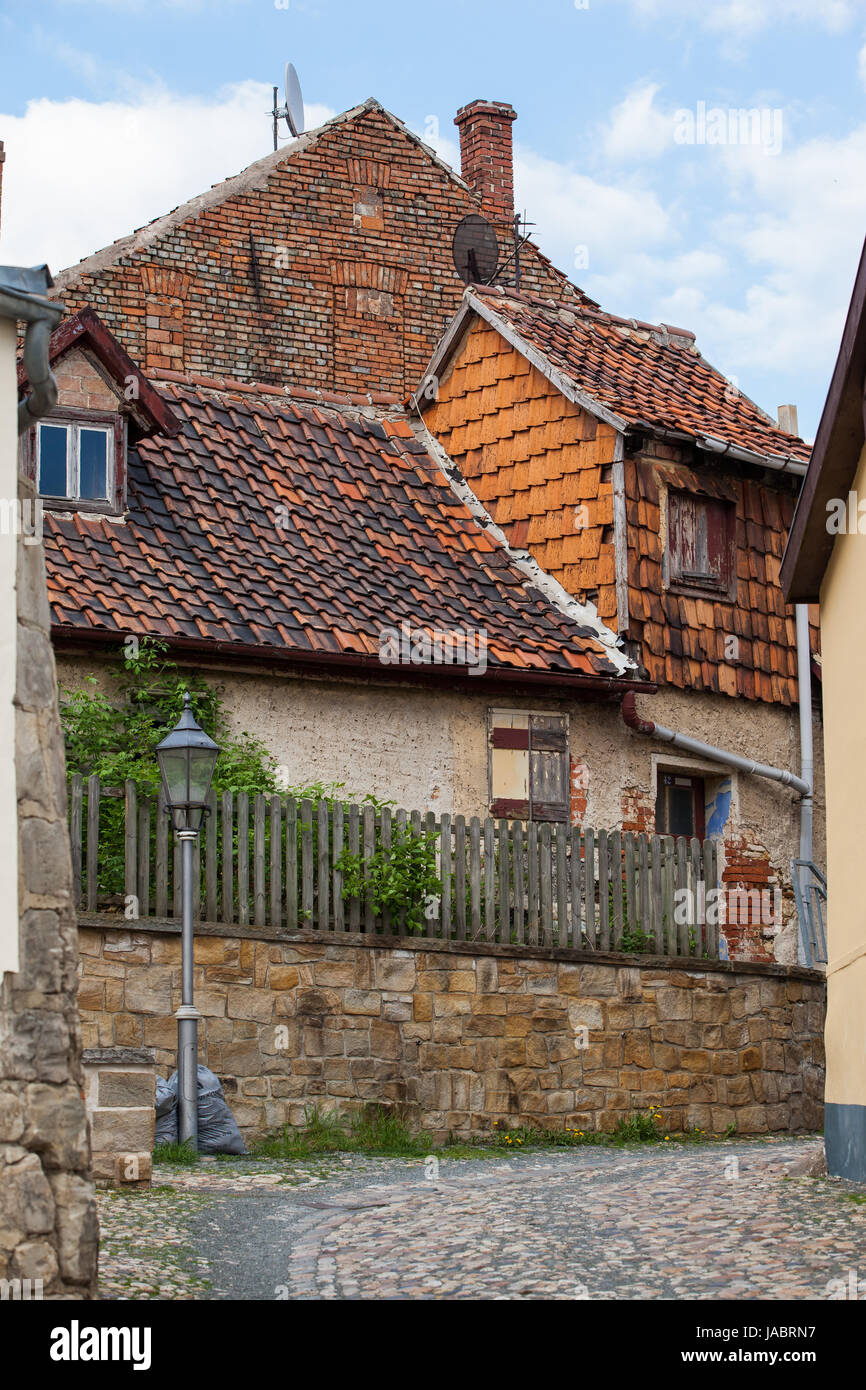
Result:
[
  {"x": 475, "y": 250},
  {"x": 294, "y": 108}
]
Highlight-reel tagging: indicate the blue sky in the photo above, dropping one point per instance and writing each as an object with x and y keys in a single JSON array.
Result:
[{"x": 115, "y": 110}]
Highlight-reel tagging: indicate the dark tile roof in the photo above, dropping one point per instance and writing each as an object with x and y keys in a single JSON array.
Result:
[
  {"x": 300, "y": 531},
  {"x": 647, "y": 374}
]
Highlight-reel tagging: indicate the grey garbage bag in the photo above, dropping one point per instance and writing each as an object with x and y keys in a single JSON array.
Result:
[
  {"x": 166, "y": 1113},
  {"x": 217, "y": 1131}
]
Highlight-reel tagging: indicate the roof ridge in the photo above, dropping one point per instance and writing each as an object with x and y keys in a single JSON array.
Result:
[
  {"x": 590, "y": 309},
  {"x": 252, "y": 176},
  {"x": 287, "y": 392}
]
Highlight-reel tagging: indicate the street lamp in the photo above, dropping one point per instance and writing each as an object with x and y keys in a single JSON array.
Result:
[{"x": 186, "y": 762}]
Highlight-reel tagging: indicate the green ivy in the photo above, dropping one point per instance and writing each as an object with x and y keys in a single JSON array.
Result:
[
  {"x": 400, "y": 879},
  {"x": 115, "y": 736}
]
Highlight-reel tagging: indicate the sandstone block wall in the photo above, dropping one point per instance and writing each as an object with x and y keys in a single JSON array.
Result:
[
  {"x": 465, "y": 1034},
  {"x": 48, "y": 1226},
  {"x": 120, "y": 1090}
]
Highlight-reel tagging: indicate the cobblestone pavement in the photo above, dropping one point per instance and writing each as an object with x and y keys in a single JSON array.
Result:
[{"x": 720, "y": 1221}]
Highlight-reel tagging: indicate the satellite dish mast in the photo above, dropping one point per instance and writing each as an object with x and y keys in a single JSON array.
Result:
[
  {"x": 475, "y": 250},
  {"x": 293, "y": 110}
]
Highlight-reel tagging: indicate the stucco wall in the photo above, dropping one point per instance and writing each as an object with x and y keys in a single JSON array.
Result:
[
  {"x": 844, "y": 654},
  {"x": 427, "y": 750},
  {"x": 463, "y": 1034}
]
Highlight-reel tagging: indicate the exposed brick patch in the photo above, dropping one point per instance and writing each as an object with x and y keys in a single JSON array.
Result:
[
  {"x": 579, "y": 785},
  {"x": 750, "y": 883},
  {"x": 638, "y": 810}
]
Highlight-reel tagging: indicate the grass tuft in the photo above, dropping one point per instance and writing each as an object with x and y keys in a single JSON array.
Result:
[
  {"x": 176, "y": 1155},
  {"x": 381, "y": 1132}
]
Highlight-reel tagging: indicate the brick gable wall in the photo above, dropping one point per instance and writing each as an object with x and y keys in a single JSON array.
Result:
[{"x": 331, "y": 269}]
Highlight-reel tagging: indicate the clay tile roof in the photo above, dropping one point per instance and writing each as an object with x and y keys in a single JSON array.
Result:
[
  {"x": 645, "y": 374},
  {"x": 301, "y": 531}
]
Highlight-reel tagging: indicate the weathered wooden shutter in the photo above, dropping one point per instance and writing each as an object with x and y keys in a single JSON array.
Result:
[
  {"x": 700, "y": 541},
  {"x": 529, "y": 766},
  {"x": 548, "y": 767},
  {"x": 509, "y": 764}
]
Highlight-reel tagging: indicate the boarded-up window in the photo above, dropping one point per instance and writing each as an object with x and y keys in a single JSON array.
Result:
[
  {"x": 529, "y": 765},
  {"x": 701, "y": 543}
]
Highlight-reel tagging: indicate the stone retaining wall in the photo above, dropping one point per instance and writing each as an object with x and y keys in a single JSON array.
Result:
[{"x": 465, "y": 1034}]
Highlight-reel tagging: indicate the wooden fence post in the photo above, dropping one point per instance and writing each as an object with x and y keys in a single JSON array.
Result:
[
  {"x": 291, "y": 864},
  {"x": 92, "y": 843},
  {"x": 76, "y": 793},
  {"x": 276, "y": 864}
]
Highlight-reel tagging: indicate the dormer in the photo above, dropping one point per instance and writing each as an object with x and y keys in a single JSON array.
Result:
[{"x": 76, "y": 455}]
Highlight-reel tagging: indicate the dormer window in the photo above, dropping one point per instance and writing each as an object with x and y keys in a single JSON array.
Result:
[
  {"x": 79, "y": 460},
  {"x": 74, "y": 461},
  {"x": 76, "y": 455}
]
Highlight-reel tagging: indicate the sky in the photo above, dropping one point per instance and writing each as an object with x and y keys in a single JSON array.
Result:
[{"x": 643, "y": 186}]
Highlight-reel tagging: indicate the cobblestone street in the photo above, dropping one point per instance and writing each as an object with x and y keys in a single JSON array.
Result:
[{"x": 723, "y": 1220}]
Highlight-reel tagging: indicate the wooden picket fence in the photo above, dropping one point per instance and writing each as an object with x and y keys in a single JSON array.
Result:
[{"x": 272, "y": 862}]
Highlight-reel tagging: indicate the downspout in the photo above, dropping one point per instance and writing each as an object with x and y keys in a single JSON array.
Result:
[
  {"x": 807, "y": 768},
  {"x": 709, "y": 750},
  {"x": 41, "y": 316}
]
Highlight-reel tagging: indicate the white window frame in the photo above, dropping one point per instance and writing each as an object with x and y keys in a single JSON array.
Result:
[{"x": 73, "y": 460}]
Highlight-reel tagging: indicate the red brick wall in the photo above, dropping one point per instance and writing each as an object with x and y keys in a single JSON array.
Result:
[
  {"x": 747, "y": 869},
  {"x": 331, "y": 269}
]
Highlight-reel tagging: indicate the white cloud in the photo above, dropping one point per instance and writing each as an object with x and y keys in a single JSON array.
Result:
[
  {"x": 80, "y": 174},
  {"x": 572, "y": 210},
  {"x": 636, "y": 128},
  {"x": 756, "y": 255},
  {"x": 743, "y": 19}
]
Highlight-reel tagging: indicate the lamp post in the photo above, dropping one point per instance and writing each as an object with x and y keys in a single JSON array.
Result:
[{"x": 186, "y": 762}]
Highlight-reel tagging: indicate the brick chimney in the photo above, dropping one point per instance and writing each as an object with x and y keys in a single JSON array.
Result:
[{"x": 485, "y": 154}]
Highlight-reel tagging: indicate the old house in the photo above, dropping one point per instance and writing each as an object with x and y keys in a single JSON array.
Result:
[
  {"x": 825, "y": 561},
  {"x": 638, "y": 477},
  {"x": 581, "y": 502}
]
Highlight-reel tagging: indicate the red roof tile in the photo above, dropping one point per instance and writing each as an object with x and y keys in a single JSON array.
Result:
[
  {"x": 645, "y": 374},
  {"x": 299, "y": 530}
]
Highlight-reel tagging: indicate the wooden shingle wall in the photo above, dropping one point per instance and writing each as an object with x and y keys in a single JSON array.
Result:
[{"x": 540, "y": 464}]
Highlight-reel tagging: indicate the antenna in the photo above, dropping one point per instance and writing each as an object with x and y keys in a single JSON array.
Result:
[
  {"x": 519, "y": 226},
  {"x": 475, "y": 250},
  {"x": 293, "y": 110}
]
